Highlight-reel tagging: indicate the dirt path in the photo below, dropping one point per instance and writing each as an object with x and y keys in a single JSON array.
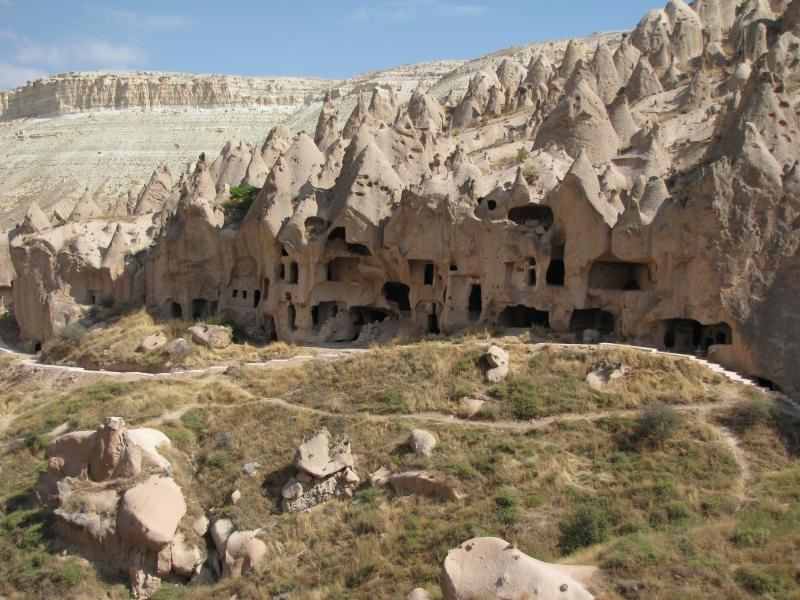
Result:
[{"x": 745, "y": 475}]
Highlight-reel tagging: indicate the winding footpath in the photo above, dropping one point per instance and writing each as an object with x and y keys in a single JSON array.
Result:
[{"x": 727, "y": 437}]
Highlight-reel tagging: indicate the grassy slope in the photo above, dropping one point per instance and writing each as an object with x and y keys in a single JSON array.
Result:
[
  {"x": 669, "y": 512},
  {"x": 113, "y": 346}
]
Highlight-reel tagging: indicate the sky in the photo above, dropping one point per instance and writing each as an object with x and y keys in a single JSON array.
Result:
[{"x": 324, "y": 38}]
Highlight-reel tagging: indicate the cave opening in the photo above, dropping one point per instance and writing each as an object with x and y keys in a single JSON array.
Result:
[
  {"x": 199, "y": 308},
  {"x": 475, "y": 303},
  {"x": 292, "y": 314},
  {"x": 556, "y": 270},
  {"x": 294, "y": 273},
  {"x": 398, "y": 294},
  {"x": 592, "y": 318},
  {"x": 176, "y": 310},
  {"x": 522, "y": 316},
  {"x": 532, "y": 215},
  {"x": 532, "y": 272},
  {"x": 428, "y": 279},
  {"x": 617, "y": 275},
  {"x": 688, "y": 336},
  {"x": 256, "y": 298}
]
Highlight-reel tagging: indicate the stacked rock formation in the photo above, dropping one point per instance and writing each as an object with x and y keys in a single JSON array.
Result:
[
  {"x": 644, "y": 192},
  {"x": 324, "y": 472},
  {"x": 111, "y": 497}
]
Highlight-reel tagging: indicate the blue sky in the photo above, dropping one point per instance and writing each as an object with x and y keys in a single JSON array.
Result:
[{"x": 332, "y": 38}]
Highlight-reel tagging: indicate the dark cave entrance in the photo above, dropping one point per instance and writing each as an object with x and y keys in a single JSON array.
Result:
[
  {"x": 397, "y": 294},
  {"x": 521, "y": 316},
  {"x": 592, "y": 318},
  {"x": 475, "y": 304}
]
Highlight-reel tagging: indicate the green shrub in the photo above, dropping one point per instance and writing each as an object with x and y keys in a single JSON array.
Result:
[
  {"x": 367, "y": 495},
  {"x": 219, "y": 458},
  {"x": 241, "y": 199},
  {"x": 74, "y": 334},
  {"x": 179, "y": 436},
  {"x": 522, "y": 155},
  {"x": 461, "y": 469},
  {"x": 194, "y": 418},
  {"x": 507, "y": 501},
  {"x": 586, "y": 526},
  {"x": 656, "y": 424},
  {"x": 70, "y": 576},
  {"x": 391, "y": 400},
  {"x": 169, "y": 591}
]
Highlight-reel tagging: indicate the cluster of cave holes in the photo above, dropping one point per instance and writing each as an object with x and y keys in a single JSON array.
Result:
[
  {"x": 256, "y": 296},
  {"x": 688, "y": 336}
]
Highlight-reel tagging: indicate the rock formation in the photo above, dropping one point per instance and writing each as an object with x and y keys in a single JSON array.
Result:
[
  {"x": 657, "y": 208},
  {"x": 325, "y": 472},
  {"x": 111, "y": 498}
]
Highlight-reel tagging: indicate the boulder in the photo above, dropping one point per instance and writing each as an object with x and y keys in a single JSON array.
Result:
[
  {"x": 491, "y": 568},
  {"x": 604, "y": 373},
  {"x": 150, "y": 512},
  {"x": 497, "y": 362},
  {"x": 152, "y": 342},
  {"x": 418, "y": 594},
  {"x": 215, "y": 337},
  {"x": 417, "y": 483},
  {"x": 471, "y": 406},
  {"x": 318, "y": 457},
  {"x": 422, "y": 442},
  {"x": 178, "y": 349},
  {"x": 186, "y": 558},
  {"x": 244, "y": 553}
]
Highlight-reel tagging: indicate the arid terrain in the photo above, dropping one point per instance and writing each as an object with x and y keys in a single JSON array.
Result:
[{"x": 518, "y": 327}]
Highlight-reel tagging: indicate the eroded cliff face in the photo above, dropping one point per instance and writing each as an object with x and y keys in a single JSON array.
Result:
[
  {"x": 645, "y": 192},
  {"x": 75, "y": 92}
]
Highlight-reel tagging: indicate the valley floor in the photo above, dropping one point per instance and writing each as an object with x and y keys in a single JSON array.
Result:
[{"x": 675, "y": 481}]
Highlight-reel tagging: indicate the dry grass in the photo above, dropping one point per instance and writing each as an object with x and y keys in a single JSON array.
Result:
[
  {"x": 674, "y": 522},
  {"x": 112, "y": 346},
  {"x": 435, "y": 375}
]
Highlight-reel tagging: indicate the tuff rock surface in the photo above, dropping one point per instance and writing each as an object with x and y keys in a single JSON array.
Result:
[{"x": 643, "y": 190}]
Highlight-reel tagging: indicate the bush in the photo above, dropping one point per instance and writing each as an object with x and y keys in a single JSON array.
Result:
[
  {"x": 522, "y": 155},
  {"x": 219, "y": 458},
  {"x": 70, "y": 576},
  {"x": 587, "y": 526},
  {"x": 73, "y": 334},
  {"x": 507, "y": 501},
  {"x": 169, "y": 591},
  {"x": 657, "y": 424},
  {"x": 194, "y": 419},
  {"x": 392, "y": 400},
  {"x": 240, "y": 201},
  {"x": 755, "y": 580}
]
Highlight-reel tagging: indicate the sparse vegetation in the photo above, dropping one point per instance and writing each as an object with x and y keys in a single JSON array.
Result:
[
  {"x": 239, "y": 203},
  {"x": 641, "y": 510}
]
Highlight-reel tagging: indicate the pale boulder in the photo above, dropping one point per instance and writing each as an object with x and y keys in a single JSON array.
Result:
[
  {"x": 215, "y": 337},
  {"x": 422, "y": 442},
  {"x": 491, "y": 568},
  {"x": 497, "y": 362},
  {"x": 152, "y": 342},
  {"x": 244, "y": 553},
  {"x": 150, "y": 512},
  {"x": 418, "y": 594},
  {"x": 318, "y": 457},
  {"x": 604, "y": 373}
]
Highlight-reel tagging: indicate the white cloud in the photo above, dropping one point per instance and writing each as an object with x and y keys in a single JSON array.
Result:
[
  {"x": 91, "y": 53},
  {"x": 406, "y": 10},
  {"x": 135, "y": 20},
  {"x": 12, "y": 76},
  {"x": 7, "y": 3}
]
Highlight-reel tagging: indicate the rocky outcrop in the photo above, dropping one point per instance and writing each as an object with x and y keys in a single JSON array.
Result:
[
  {"x": 496, "y": 360},
  {"x": 325, "y": 472},
  {"x": 111, "y": 498}
]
